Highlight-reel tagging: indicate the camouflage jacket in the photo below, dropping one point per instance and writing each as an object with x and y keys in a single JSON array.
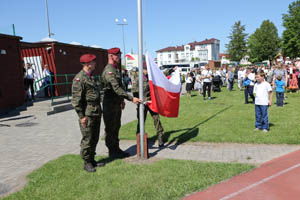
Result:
[
  {"x": 112, "y": 84},
  {"x": 86, "y": 95},
  {"x": 135, "y": 82},
  {"x": 146, "y": 88}
]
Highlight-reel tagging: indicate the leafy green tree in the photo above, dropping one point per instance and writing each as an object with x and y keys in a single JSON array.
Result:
[
  {"x": 291, "y": 36},
  {"x": 264, "y": 43},
  {"x": 237, "y": 47}
]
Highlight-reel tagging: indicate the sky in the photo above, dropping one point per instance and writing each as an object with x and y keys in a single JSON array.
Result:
[{"x": 165, "y": 22}]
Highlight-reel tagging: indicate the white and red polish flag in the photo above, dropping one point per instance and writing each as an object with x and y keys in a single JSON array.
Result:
[{"x": 165, "y": 93}]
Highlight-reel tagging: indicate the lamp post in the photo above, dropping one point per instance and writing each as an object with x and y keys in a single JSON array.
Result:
[
  {"x": 47, "y": 13},
  {"x": 122, "y": 24}
]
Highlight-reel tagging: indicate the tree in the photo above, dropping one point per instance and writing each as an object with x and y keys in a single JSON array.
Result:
[
  {"x": 291, "y": 36},
  {"x": 264, "y": 43},
  {"x": 237, "y": 47}
]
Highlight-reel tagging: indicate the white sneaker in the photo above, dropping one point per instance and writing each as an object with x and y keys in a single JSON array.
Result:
[
  {"x": 256, "y": 129},
  {"x": 265, "y": 130}
]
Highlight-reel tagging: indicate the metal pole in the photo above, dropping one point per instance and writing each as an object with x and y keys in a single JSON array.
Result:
[
  {"x": 140, "y": 42},
  {"x": 14, "y": 30},
  {"x": 124, "y": 44},
  {"x": 49, "y": 32}
]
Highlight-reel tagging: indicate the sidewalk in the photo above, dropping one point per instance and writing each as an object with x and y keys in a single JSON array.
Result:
[{"x": 31, "y": 139}]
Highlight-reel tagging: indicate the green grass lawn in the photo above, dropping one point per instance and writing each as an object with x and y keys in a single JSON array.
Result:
[
  {"x": 225, "y": 119},
  {"x": 64, "y": 178}
]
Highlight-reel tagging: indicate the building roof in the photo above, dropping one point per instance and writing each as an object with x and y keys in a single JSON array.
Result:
[
  {"x": 224, "y": 54},
  {"x": 10, "y": 36},
  {"x": 192, "y": 44}
]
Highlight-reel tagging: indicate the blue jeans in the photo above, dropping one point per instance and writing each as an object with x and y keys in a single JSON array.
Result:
[
  {"x": 261, "y": 117},
  {"x": 279, "y": 98}
]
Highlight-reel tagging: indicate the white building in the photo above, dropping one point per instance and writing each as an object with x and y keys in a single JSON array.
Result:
[{"x": 195, "y": 51}]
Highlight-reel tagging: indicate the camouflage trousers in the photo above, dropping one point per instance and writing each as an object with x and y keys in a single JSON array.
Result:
[
  {"x": 157, "y": 124},
  {"x": 90, "y": 138},
  {"x": 112, "y": 113}
]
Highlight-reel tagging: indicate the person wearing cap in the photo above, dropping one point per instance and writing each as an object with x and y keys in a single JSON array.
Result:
[
  {"x": 86, "y": 102},
  {"x": 113, "y": 102}
]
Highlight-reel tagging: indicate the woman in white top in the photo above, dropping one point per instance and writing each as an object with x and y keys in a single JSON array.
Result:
[
  {"x": 207, "y": 77},
  {"x": 189, "y": 84}
]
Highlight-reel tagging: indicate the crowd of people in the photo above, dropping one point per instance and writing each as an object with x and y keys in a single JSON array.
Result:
[
  {"x": 205, "y": 80},
  {"x": 258, "y": 82}
]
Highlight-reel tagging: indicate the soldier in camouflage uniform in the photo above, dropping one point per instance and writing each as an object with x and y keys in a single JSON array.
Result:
[
  {"x": 113, "y": 102},
  {"x": 86, "y": 102},
  {"x": 146, "y": 93}
]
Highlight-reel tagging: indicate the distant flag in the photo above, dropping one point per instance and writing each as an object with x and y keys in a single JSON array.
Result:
[
  {"x": 129, "y": 56},
  {"x": 165, "y": 93}
]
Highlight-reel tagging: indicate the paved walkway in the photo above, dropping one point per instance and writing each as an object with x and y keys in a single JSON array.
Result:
[{"x": 29, "y": 140}]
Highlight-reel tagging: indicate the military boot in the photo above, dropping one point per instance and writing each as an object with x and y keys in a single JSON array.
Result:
[
  {"x": 88, "y": 167},
  {"x": 97, "y": 164},
  {"x": 160, "y": 142},
  {"x": 118, "y": 153}
]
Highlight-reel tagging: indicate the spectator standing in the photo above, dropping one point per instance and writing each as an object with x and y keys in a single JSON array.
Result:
[
  {"x": 199, "y": 84},
  {"x": 280, "y": 70},
  {"x": 249, "y": 84},
  {"x": 207, "y": 78},
  {"x": 47, "y": 77},
  {"x": 240, "y": 78},
  {"x": 279, "y": 84},
  {"x": 189, "y": 84},
  {"x": 263, "y": 99},
  {"x": 29, "y": 76},
  {"x": 230, "y": 78}
]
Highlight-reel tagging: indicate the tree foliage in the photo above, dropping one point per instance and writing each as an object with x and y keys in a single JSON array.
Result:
[
  {"x": 291, "y": 36},
  {"x": 237, "y": 47},
  {"x": 264, "y": 43}
]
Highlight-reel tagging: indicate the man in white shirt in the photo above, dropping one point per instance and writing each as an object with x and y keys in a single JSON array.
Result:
[
  {"x": 240, "y": 78},
  {"x": 29, "y": 76},
  {"x": 263, "y": 99},
  {"x": 207, "y": 77}
]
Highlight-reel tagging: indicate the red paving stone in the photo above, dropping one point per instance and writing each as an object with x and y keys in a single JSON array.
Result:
[{"x": 278, "y": 179}]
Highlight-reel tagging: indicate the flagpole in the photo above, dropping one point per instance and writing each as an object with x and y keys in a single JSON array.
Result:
[{"x": 140, "y": 59}]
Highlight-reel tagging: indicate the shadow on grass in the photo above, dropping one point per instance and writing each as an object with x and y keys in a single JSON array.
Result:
[{"x": 184, "y": 137}]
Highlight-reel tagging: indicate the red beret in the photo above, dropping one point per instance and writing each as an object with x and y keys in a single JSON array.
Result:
[
  {"x": 114, "y": 51},
  {"x": 86, "y": 58}
]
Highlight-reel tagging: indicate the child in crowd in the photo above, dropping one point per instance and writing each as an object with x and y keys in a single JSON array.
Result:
[
  {"x": 279, "y": 90},
  {"x": 263, "y": 99}
]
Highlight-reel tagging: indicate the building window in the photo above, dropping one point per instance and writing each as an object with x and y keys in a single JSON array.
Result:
[
  {"x": 169, "y": 55},
  {"x": 3, "y": 51}
]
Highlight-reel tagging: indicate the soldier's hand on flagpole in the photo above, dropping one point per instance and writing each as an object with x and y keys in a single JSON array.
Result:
[
  {"x": 136, "y": 100},
  {"x": 83, "y": 122},
  {"x": 123, "y": 105}
]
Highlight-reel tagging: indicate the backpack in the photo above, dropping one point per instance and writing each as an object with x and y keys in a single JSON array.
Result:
[{"x": 246, "y": 82}]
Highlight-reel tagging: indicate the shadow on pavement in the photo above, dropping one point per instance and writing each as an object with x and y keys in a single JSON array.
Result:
[{"x": 184, "y": 137}]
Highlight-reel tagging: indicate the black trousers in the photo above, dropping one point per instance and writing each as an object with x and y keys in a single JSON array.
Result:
[
  {"x": 249, "y": 91},
  {"x": 29, "y": 86},
  {"x": 206, "y": 86}
]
